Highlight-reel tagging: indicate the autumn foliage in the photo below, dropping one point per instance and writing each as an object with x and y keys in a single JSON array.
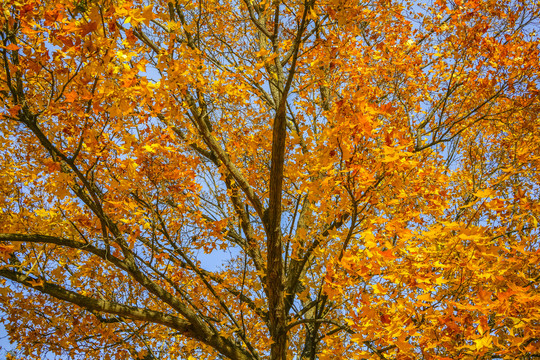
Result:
[{"x": 255, "y": 179}]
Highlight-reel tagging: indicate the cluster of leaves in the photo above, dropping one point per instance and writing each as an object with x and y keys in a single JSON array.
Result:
[{"x": 370, "y": 170}]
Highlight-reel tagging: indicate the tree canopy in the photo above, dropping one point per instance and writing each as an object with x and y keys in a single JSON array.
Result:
[{"x": 255, "y": 179}]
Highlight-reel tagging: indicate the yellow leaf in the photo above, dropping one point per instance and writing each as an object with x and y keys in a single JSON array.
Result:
[
  {"x": 151, "y": 148},
  {"x": 425, "y": 297},
  {"x": 36, "y": 283},
  {"x": 357, "y": 338},
  {"x": 379, "y": 289},
  {"x": 440, "y": 281},
  {"x": 483, "y": 193},
  {"x": 148, "y": 14},
  {"x": 483, "y": 342},
  {"x": 369, "y": 240}
]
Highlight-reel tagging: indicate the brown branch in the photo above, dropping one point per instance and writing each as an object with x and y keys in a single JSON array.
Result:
[{"x": 92, "y": 304}]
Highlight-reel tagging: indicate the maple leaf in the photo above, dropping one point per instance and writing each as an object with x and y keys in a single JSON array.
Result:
[
  {"x": 148, "y": 14},
  {"x": 88, "y": 28},
  {"x": 36, "y": 283},
  {"x": 12, "y": 47}
]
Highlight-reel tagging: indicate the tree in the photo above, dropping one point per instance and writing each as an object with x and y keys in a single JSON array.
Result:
[{"x": 370, "y": 168}]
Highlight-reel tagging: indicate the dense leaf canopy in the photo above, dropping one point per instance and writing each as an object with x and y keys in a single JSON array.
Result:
[{"x": 255, "y": 179}]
